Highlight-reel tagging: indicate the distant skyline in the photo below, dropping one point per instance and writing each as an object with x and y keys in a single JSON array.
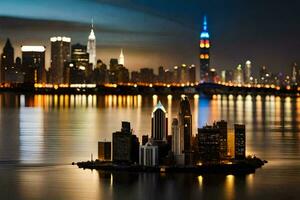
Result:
[{"x": 158, "y": 32}]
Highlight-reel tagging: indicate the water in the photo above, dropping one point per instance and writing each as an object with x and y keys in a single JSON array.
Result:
[{"x": 41, "y": 135}]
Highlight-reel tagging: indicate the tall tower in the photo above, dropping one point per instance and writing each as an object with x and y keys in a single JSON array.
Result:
[
  {"x": 247, "y": 72},
  {"x": 159, "y": 128},
  {"x": 204, "y": 52},
  {"x": 91, "y": 47},
  {"x": 121, "y": 60},
  {"x": 34, "y": 64},
  {"x": 185, "y": 129},
  {"x": 7, "y": 59},
  {"x": 60, "y": 55}
]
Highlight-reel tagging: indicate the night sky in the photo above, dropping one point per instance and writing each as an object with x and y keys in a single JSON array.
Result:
[{"x": 162, "y": 32}]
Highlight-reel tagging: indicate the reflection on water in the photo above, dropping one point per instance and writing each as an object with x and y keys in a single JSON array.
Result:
[{"x": 40, "y": 134}]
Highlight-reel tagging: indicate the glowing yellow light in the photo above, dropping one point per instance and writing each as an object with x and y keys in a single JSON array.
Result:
[
  {"x": 202, "y": 45},
  {"x": 202, "y": 56},
  {"x": 207, "y": 45},
  {"x": 200, "y": 180},
  {"x": 206, "y": 56}
]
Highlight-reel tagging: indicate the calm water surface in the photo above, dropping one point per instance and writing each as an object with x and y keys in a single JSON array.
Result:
[{"x": 41, "y": 135}]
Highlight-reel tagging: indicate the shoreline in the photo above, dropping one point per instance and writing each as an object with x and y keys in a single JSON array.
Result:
[
  {"x": 247, "y": 166},
  {"x": 204, "y": 88}
]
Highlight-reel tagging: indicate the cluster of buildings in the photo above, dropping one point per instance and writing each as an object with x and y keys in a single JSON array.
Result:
[
  {"x": 70, "y": 63},
  {"x": 78, "y": 64},
  {"x": 181, "y": 148}
]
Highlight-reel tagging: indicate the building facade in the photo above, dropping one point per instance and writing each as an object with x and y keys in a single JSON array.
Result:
[
  {"x": 148, "y": 155},
  {"x": 60, "y": 56},
  {"x": 34, "y": 64},
  {"x": 247, "y": 72},
  {"x": 239, "y": 141},
  {"x": 104, "y": 151},
  {"x": 7, "y": 60},
  {"x": 185, "y": 129},
  {"x": 125, "y": 145},
  {"x": 159, "y": 126}
]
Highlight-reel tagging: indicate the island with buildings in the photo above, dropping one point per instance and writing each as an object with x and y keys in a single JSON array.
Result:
[{"x": 206, "y": 152}]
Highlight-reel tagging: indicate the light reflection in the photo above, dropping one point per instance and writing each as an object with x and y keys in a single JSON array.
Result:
[
  {"x": 229, "y": 186},
  {"x": 31, "y": 135},
  {"x": 169, "y": 112},
  {"x": 195, "y": 115},
  {"x": 154, "y": 100},
  {"x": 200, "y": 181}
]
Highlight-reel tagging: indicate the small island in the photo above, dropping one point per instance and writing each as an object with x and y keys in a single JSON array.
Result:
[{"x": 181, "y": 152}]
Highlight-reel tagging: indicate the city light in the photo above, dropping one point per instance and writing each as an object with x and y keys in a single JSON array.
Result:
[
  {"x": 59, "y": 38},
  {"x": 33, "y": 48}
]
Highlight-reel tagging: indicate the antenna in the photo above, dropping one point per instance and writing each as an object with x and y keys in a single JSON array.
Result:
[{"x": 92, "y": 22}]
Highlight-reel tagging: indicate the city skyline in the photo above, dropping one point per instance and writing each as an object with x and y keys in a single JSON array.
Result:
[{"x": 154, "y": 38}]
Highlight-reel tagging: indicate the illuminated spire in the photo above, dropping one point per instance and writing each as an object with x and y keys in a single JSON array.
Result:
[
  {"x": 91, "y": 46},
  {"x": 204, "y": 34},
  {"x": 121, "y": 58},
  {"x": 204, "y": 23},
  {"x": 92, "y": 34},
  {"x": 159, "y": 106}
]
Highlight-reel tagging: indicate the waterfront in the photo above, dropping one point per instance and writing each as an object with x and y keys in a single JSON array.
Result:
[{"x": 42, "y": 134}]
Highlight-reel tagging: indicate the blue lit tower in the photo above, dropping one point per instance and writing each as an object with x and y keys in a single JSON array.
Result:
[{"x": 204, "y": 52}]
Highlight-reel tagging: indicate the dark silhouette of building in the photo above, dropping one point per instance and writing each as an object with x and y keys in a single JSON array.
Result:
[
  {"x": 159, "y": 128},
  {"x": 104, "y": 151},
  {"x": 135, "y": 77},
  {"x": 192, "y": 74},
  {"x": 239, "y": 141},
  {"x": 78, "y": 70},
  {"x": 122, "y": 74},
  {"x": 209, "y": 144},
  {"x": 222, "y": 125},
  {"x": 204, "y": 52},
  {"x": 147, "y": 75},
  {"x": 125, "y": 145},
  {"x": 60, "y": 56},
  {"x": 161, "y": 74},
  {"x": 212, "y": 142},
  {"x": 145, "y": 139},
  {"x": 33, "y": 58},
  {"x": 185, "y": 130},
  {"x": 7, "y": 60},
  {"x": 100, "y": 74}
]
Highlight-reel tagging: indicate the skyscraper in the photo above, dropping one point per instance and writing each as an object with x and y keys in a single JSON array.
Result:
[
  {"x": 295, "y": 74},
  {"x": 238, "y": 75},
  {"x": 212, "y": 142},
  {"x": 185, "y": 129},
  {"x": 176, "y": 143},
  {"x": 247, "y": 72},
  {"x": 125, "y": 145},
  {"x": 204, "y": 52},
  {"x": 79, "y": 69},
  {"x": 159, "y": 128},
  {"x": 34, "y": 64},
  {"x": 7, "y": 59},
  {"x": 222, "y": 125},
  {"x": 239, "y": 142},
  {"x": 60, "y": 55},
  {"x": 91, "y": 47},
  {"x": 121, "y": 60}
]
